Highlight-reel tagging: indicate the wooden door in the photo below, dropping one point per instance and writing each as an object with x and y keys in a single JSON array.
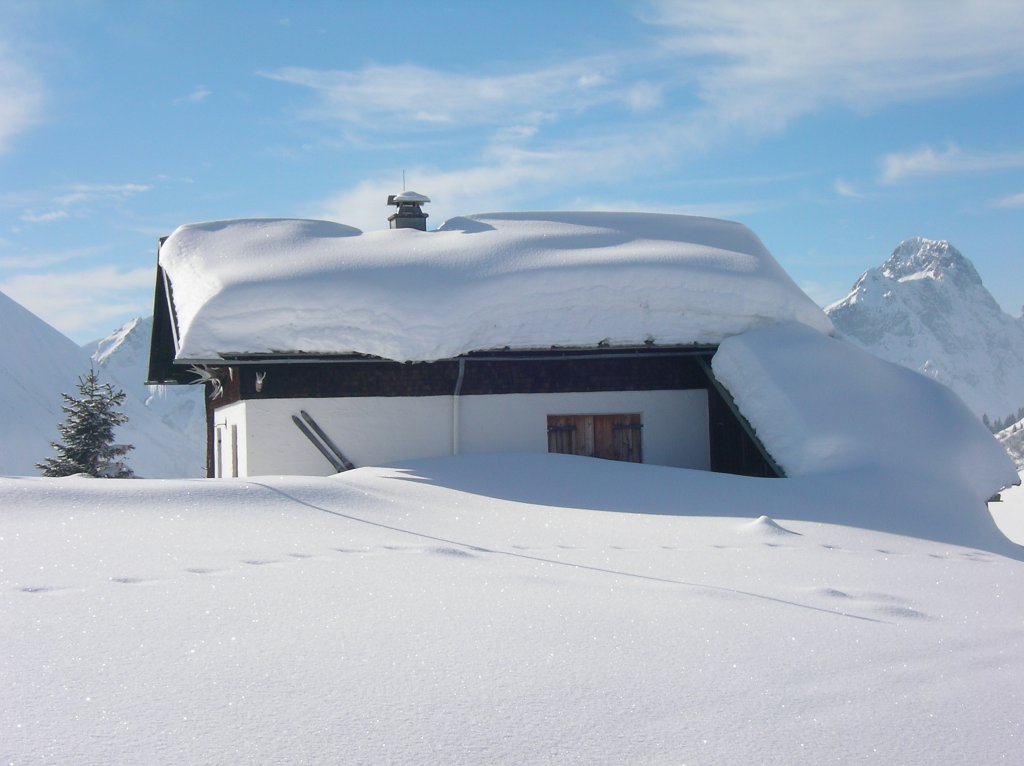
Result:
[{"x": 612, "y": 437}]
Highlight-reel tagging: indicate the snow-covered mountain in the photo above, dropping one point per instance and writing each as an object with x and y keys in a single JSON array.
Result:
[
  {"x": 39, "y": 364},
  {"x": 926, "y": 308},
  {"x": 125, "y": 354},
  {"x": 1012, "y": 439}
]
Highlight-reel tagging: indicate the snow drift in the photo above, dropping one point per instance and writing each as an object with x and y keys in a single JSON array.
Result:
[{"x": 825, "y": 408}]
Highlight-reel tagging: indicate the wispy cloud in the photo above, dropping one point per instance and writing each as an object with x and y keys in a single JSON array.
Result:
[
  {"x": 846, "y": 189},
  {"x": 60, "y": 300},
  {"x": 30, "y": 216},
  {"x": 406, "y": 97},
  {"x": 199, "y": 93},
  {"x": 21, "y": 96},
  {"x": 928, "y": 161},
  {"x": 83, "y": 193},
  {"x": 48, "y": 206},
  {"x": 750, "y": 65},
  {"x": 759, "y": 65},
  {"x": 1014, "y": 200},
  {"x": 502, "y": 177},
  {"x": 718, "y": 72}
]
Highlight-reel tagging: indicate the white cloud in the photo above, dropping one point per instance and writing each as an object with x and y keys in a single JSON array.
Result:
[
  {"x": 21, "y": 96},
  {"x": 506, "y": 176},
  {"x": 60, "y": 300},
  {"x": 82, "y": 193},
  {"x": 30, "y": 216},
  {"x": 845, "y": 189},
  {"x": 1014, "y": 200},
  {"x": 397, "y": 98},
  {"x": 199, "y": 93},
  {"x": 927, "y": 161},
  {"x": 758, "y": 65},
  {"x": 719, "y": 71}
]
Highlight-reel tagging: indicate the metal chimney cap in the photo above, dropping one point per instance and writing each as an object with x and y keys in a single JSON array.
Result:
[{"x": 407, "y": 198}]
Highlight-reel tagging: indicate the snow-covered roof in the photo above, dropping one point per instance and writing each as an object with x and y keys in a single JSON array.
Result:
[
  {"x": 412, "y": 197},
  {"x": 504, "y": 280}
]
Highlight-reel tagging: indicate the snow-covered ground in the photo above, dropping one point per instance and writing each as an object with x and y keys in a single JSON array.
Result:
[
  {"x": 1009, "y": 512},
  {"x": 502, "y": 609}
]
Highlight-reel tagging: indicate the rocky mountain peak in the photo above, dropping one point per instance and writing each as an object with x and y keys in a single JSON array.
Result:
[
  {"x": 926, "y": 308},
  {"x": 920, "y": 258}
]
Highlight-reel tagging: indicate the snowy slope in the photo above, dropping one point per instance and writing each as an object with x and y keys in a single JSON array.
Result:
[
  {"x": 520, "y": 280},
  {"x": 125, "y": 355},
  {"x": 39, "y": 363},
  {"x": 926, "y": 308},
  {"x": 498, "y": 609}
]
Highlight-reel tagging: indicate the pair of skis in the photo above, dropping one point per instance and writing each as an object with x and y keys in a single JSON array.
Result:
[{"x": 322, "y": 441}]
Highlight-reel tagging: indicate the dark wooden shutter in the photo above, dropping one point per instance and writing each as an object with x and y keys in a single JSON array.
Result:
[{"x": 612, "y": 437}]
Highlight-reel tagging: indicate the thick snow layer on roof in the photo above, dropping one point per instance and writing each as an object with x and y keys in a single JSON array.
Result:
[
  {"x": 523, "y": 280},
  {"x": 822, "y": 406}
]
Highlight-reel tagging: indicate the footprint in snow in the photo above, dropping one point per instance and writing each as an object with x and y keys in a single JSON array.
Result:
[
  {"x": 42, "y": 589},
  {"x": 897, "y": 610},
  {"x": 131, "y": 580},
  {"x": 453, "y": 552},
  {"x": 828, "y": 592},
  {"x": 985, "y": 558},
  {"x": 203, "y": 570}
]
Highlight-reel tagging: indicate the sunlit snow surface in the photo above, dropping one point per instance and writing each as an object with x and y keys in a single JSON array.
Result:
[
  {"x": 500, "y": 609},
  {"x": 520, "y": 280},
  {"x": 823, "y": 406}
]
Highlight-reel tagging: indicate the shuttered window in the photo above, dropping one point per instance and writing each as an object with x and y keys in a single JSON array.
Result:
[{"x": 612, "y": 437}]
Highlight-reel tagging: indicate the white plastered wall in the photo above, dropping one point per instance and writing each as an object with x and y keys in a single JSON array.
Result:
[
  {"x": 675, "y": 428},
  {"x": 378, "y": 430},
  {"x": 230, "y": 441}
]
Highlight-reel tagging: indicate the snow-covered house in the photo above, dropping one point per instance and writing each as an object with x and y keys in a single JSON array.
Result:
[{"x": 589, "y": 333}]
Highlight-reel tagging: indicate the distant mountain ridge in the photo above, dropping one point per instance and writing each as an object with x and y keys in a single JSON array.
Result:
[{"x": 926, "y": 308}]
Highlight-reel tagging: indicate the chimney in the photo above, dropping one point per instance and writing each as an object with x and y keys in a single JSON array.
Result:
[{"x": 410, "y": 214}]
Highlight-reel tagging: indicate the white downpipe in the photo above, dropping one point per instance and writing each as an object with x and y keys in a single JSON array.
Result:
[{"x": 455, "y": 406}]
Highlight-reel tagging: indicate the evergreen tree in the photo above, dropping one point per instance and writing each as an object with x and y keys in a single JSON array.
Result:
[{"x": 87, "y": 433}]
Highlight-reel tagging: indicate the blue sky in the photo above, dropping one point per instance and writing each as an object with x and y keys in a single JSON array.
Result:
[{"x": 833, "y": 130}]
